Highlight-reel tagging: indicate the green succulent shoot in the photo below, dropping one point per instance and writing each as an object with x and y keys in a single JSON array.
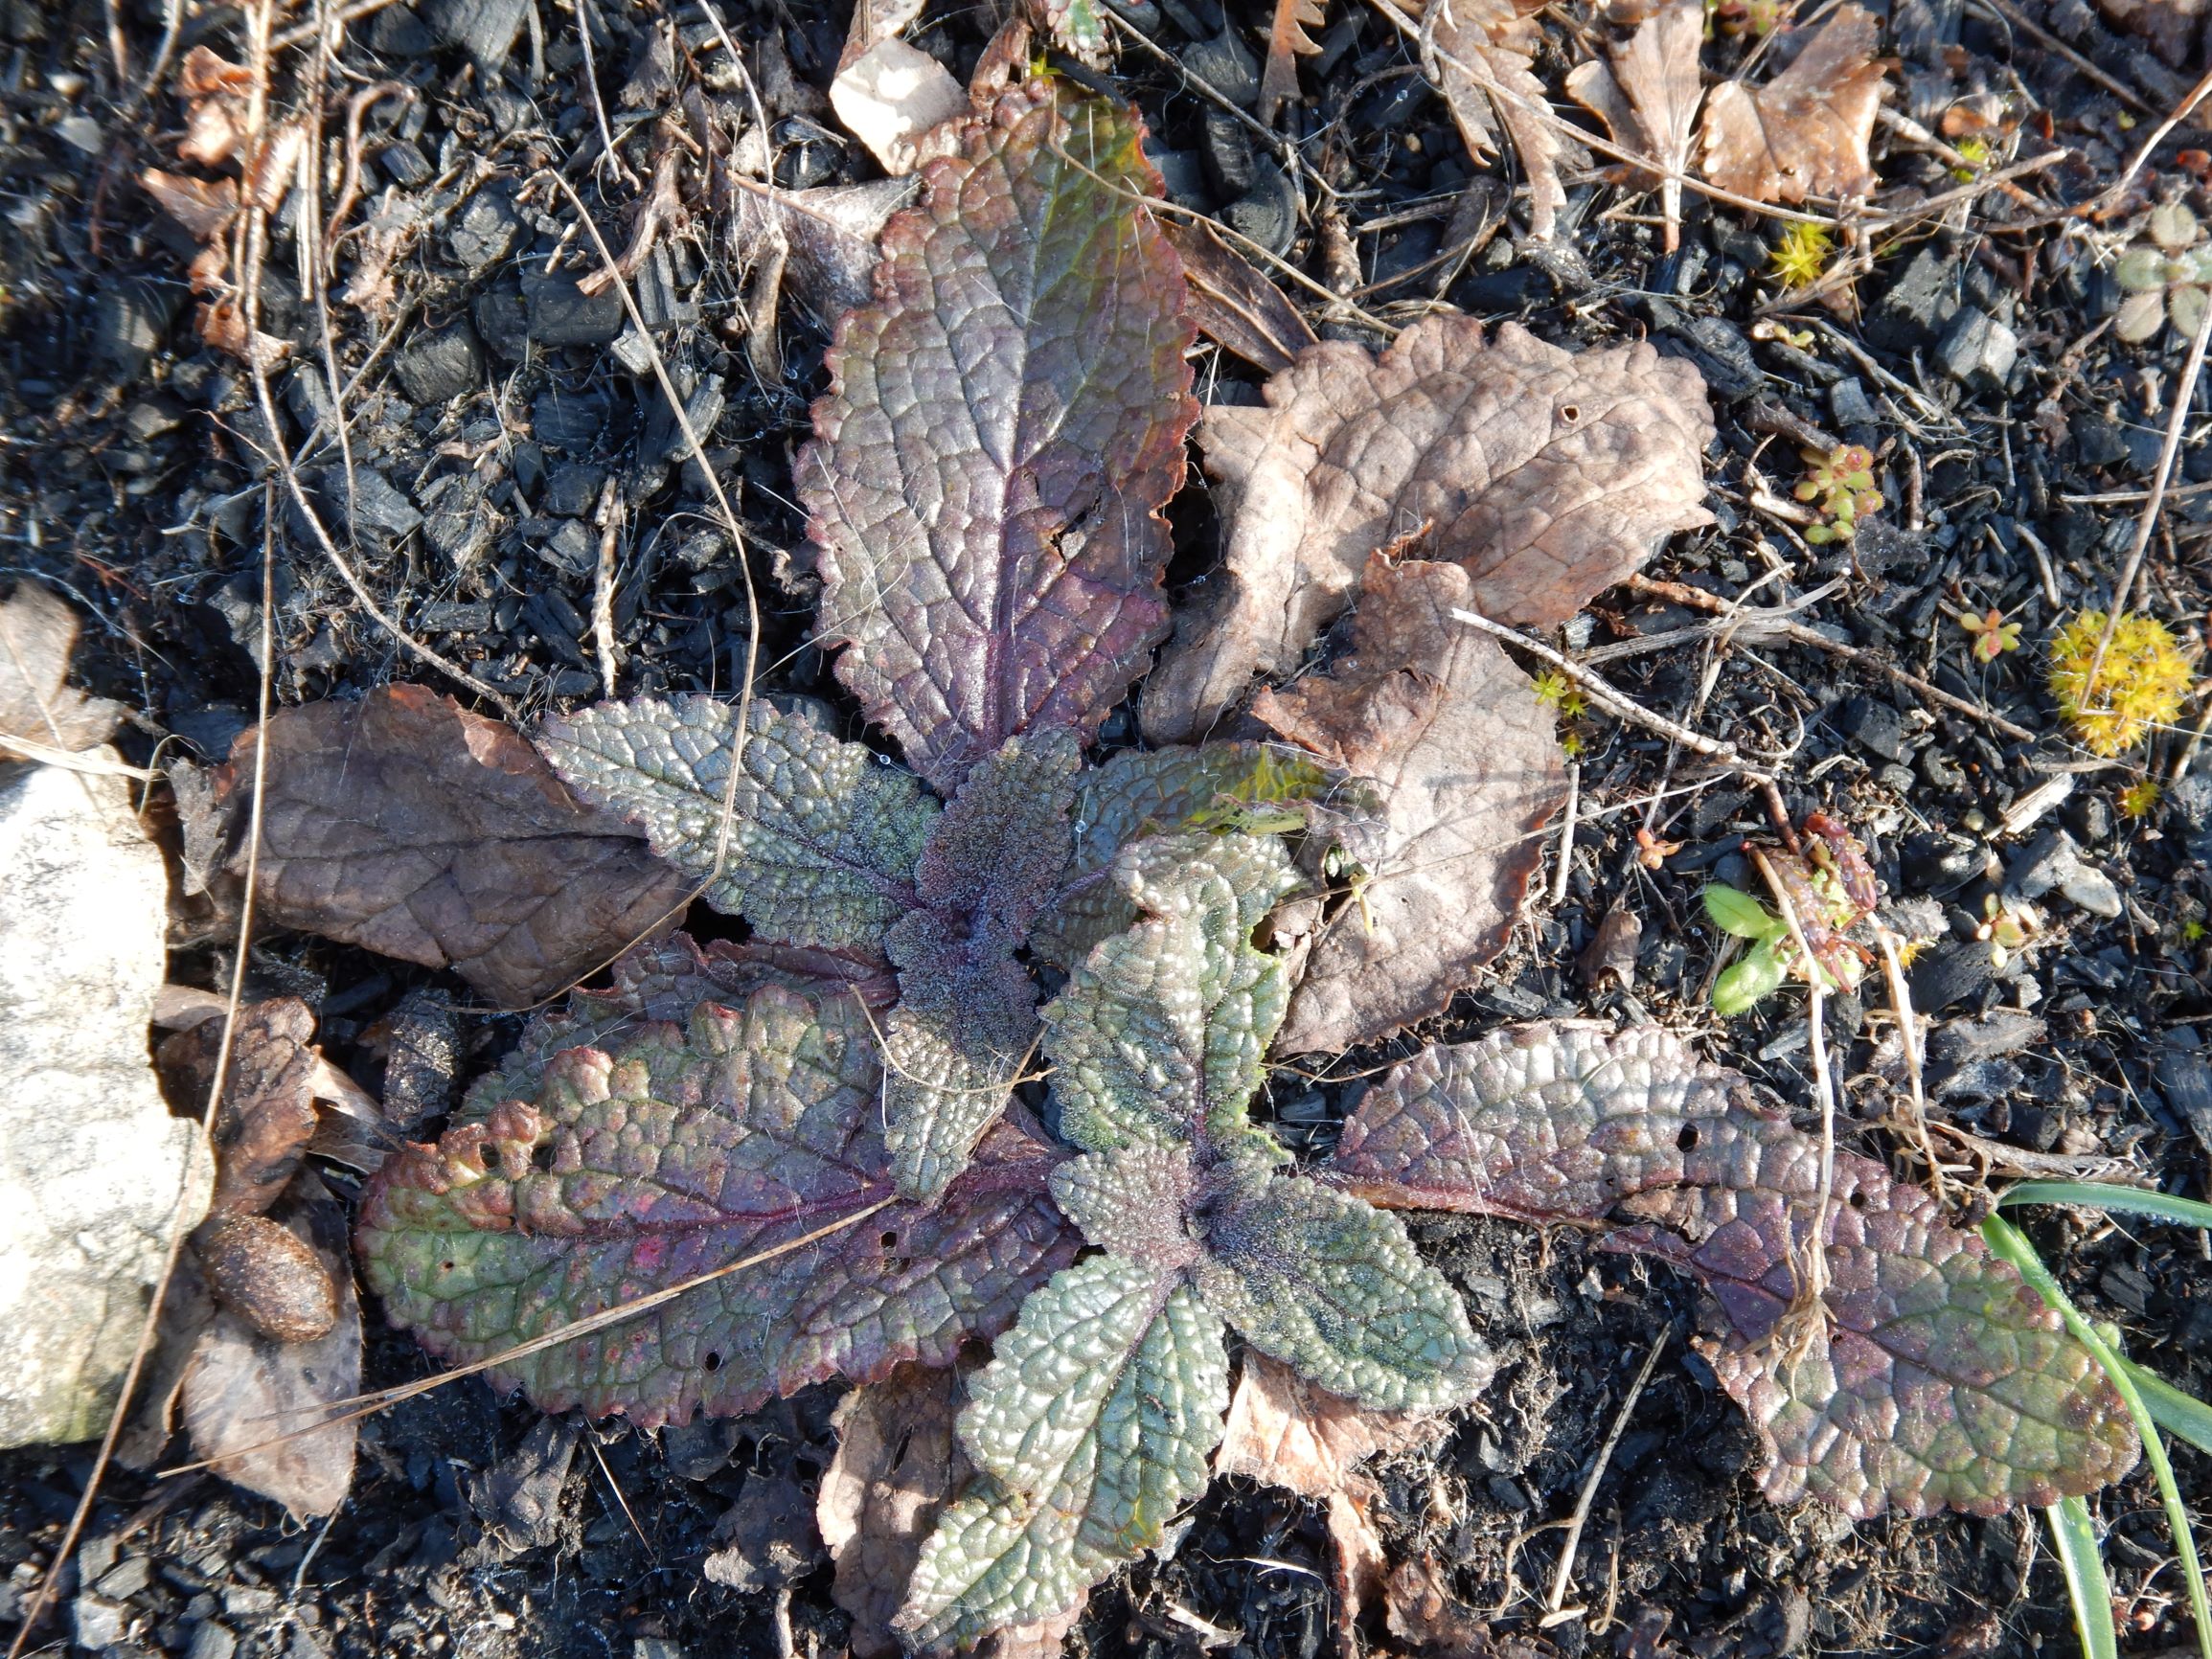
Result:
[{"x": 2166, "y": 278}]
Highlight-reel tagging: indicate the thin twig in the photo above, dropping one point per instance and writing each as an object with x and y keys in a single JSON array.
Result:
[
  {"x": 2175, "y": 422},
  {"x": 367, "y": 1404},
  {"x": 1613, "y": 702},
  {"x": 1908, "y": 1034},
  {"x": 1814, "y": 1290},
  {"x": 2118, "y": 187},
  {"x": 2052, "y": 44},
  {"x": 1564, "y": 1575},
  {"x": 1567, "y": 833}
]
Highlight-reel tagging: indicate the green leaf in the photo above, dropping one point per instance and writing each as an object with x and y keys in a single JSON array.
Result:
[
  {"x": 1004, "y": 425},
  {"x": 1091, "y": 1426},
  {"x": 2074, "y": 1537},
  {"x": 1132, "y": 1202},
  {"x": 1160, "y": 1033},
  {"x": 2112, "y": 1198},
  {"x": 1747, "y": 983},
  {"x": 824, "y": 837},
  {"x": 657, "y": 1152},
  {"x": 2010, "y": 1244},
  {"x": 2181, "y": 1414},
  {"x": 1334, "y": 1288},
  {"x": 1733, "y": 911},
  {"x": 1253, "y": 789},
  {"x": 967, "y": 1016}
]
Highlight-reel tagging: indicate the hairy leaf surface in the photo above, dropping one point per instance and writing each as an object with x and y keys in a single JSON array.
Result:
[
  {"x": 1934, "y": 1378},
  {"x": 1258, "y": 788},
  {"x": 1092, "y": 1424},
  {"x": 668, "y": 1151},
  {"x": 1158, "y": 1034},
  {"x": 1332, "y": 1287},
  {"x": 967, "y": 1014},
  {"x": 824, "y": 837},
  {"x": 1003, "y": 426}
]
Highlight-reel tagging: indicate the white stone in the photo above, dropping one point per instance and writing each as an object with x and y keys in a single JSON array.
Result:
[{"x": 94, "y": 1169}]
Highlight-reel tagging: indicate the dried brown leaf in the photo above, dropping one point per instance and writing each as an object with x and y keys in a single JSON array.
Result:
[
  {"x": 1648, "y": 97},
  {"x": 1287, "y": 41},
  {"x": 1285, "y": 1431},
  {"x": 1806, "y": 131},
  {"x": 1467, "y": 767},
  {"x": 1547, "y": 474},
  {"x": 243, "y": 1389},
  {"x": 216, "y": 107},
  {"x": 267, "y": 1114},
  {"x": 37, "y": 636},
  {"x": 828, "y": 235},
  {"x": 895, "y": 98},
  {"x": 1235, "y": 305},
  {"x": 1478, "y": 53},
  {"x": 897, "y": 1463},
  {"x": 204, "y": 208},
  {"x": 406, "y": 825}
]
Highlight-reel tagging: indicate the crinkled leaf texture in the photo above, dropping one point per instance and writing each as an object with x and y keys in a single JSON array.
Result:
[
  {"x": 1092, "y": 1424},
  {"x": 659, "y": 1150},
  {"x": 1468, "y": 764},
  {"x": 1093, "y": 1421},
  {"x": 1004, "y": 425},
  {"x": 1254, "y": 787},
  {"x": 1548, "y": 474},
  {"x": 821, "y": 838},
  {"x": 1936, "y": 1380},
  {"x": 966, "y": 1014}
]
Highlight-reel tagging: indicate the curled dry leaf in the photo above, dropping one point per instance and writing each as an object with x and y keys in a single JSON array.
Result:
[
  {"x": 39, "y": 707},
  {"x": 826, "y": 235},
  {"x": 268, "y": 1113},
  {"x": 1934, "y": 1377},
  {"x": 1647, "y": 93},
  {"x": 1003, "y": 428},
  {"x": 897, "y": 1463},
  {"x": 217, "y": 111},
  {"x": 407, "y": 824},
  {"x": 1283, "y": 1430},
  {"x": 1548, "y": 474},
  {"x": 1234, "y": 304},
  {"x": 895, "y": 98},
  {"x": 1288, "y": 40},
  {"x": 1478, "y": 54},
  {"x": 1468, "y": 766},
  {"x": 243, "y": 1388},
  {"x": 1806, "y": 131}
]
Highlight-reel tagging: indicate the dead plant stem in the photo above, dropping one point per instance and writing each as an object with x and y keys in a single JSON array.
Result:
[
  {"x": 1813, "y": 1288},
  {"x": 2176, "y": 420},
  {"x": 1564, "y": 1575}
]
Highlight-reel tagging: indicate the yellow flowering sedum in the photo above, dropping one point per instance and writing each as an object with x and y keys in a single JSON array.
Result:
[{"x": 2140, "y": 685}]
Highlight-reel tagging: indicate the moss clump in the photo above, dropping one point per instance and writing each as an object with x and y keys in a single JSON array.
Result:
[{"x": 2140, "y": 684}]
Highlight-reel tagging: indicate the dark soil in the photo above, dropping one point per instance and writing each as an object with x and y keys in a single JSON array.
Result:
[{"x": 485, "y": 433}]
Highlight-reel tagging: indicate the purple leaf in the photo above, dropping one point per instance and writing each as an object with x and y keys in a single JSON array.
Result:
[{"x": 1003, "y": 428}]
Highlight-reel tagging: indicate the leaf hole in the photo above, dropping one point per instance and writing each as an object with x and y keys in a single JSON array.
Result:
[
  {"x": 1570, "y": 413},
  {"x": 1687, "y": 1139},
  {"x": 714, "y": 1362},
  {"x": 889, "y": 1241},
  {"x": 1857, "y": 1201},
  {"x": 444, "y": 1266}
]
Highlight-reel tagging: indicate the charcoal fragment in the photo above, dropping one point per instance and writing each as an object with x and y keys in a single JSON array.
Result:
[{"x": 435, "y": 367}]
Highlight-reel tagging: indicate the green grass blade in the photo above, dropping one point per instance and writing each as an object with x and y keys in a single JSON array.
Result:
[
  {"x": 2086, "y": 1587},
  {"x": 2009, "y": 1243},
  {"x": 2181, "y": 1414},
  {"x": 2112, "y": 1198}
]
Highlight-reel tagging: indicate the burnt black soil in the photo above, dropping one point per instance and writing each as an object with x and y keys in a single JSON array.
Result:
[{"x": 497, "y": 406}]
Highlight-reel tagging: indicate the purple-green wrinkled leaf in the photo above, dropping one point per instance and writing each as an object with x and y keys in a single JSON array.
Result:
[
  {"x": 1333, "y": 1287},
  {"x": 1134, "y": 1202},
  {"x": 1091, "y": 1425},
  {"x": 823, "y": 837},
  {"x": 1157, "y": 1037},
  {"x": 1003, "y": 428},
  {"x": 966, "y": 1015},
  {"x": 1933, "y": 1378},
  {"x": 664, "y": 1151},
  {"x": 1254, "y": 788},
  {"x": 1938, "y": 1379}
]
